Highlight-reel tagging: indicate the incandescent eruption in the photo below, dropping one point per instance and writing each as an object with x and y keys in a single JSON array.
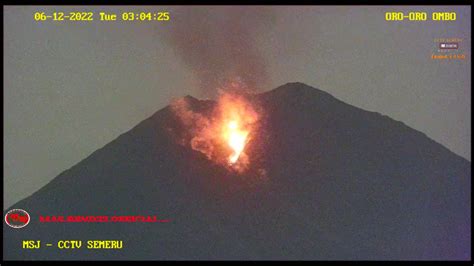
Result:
[
  {"x": 219, "y": 45},
  {"x": 238, "y": 118},
  {"x": 223, "y": 134},
  {"x": 236, "y": 138}
]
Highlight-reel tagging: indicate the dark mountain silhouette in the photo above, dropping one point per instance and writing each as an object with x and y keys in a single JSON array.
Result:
[{"x": 342, "y": 183}]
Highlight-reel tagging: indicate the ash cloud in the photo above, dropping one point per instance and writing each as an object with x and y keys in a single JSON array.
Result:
[
  {"x": 197, "y": 125},
  {"x": 218, "y": 44}
]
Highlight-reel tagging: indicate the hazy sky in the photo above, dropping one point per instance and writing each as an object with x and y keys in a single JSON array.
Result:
[{"x": 72, "y": 87}]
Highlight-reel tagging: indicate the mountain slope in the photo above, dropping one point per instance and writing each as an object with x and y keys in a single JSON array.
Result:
[{"x": 341, "y": 183}]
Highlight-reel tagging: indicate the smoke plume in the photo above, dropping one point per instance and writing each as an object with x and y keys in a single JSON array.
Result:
[{"x": 218, "y": 44}]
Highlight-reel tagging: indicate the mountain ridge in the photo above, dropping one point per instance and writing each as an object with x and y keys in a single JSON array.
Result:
[{"x": 337, "y": 179}]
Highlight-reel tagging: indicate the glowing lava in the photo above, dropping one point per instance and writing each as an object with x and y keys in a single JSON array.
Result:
[
  {"x": 236, "y": 139},
  {"x": 223, "y": 134},
  {"x": 237, "y": 118}
]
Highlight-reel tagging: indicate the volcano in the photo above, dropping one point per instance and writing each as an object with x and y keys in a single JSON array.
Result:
[{"x": 340, "y": 183}]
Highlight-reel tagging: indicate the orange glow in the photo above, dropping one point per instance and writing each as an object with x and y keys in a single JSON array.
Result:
[
  {"x": 236, "y": 139},
  {"x": 237, "y": 119},
  {"x": 223, "y": 135}
]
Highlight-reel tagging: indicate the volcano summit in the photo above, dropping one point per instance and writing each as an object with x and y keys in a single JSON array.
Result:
[{"x": 339, "y": 183}]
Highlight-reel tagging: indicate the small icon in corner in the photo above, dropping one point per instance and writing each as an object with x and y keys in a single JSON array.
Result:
[
  {"x": 448, "y": 45},
  {"x": 17, "y": 218}
]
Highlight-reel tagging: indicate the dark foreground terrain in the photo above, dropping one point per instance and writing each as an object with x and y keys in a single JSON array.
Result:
[{"x": 342, "y": 183}]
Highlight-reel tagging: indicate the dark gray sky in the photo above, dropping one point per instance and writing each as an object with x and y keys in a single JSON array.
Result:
[{"x": 70, "y": 88}]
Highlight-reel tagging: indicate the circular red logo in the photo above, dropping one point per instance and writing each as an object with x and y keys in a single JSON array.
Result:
[{"x": 17, "y": 218}]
